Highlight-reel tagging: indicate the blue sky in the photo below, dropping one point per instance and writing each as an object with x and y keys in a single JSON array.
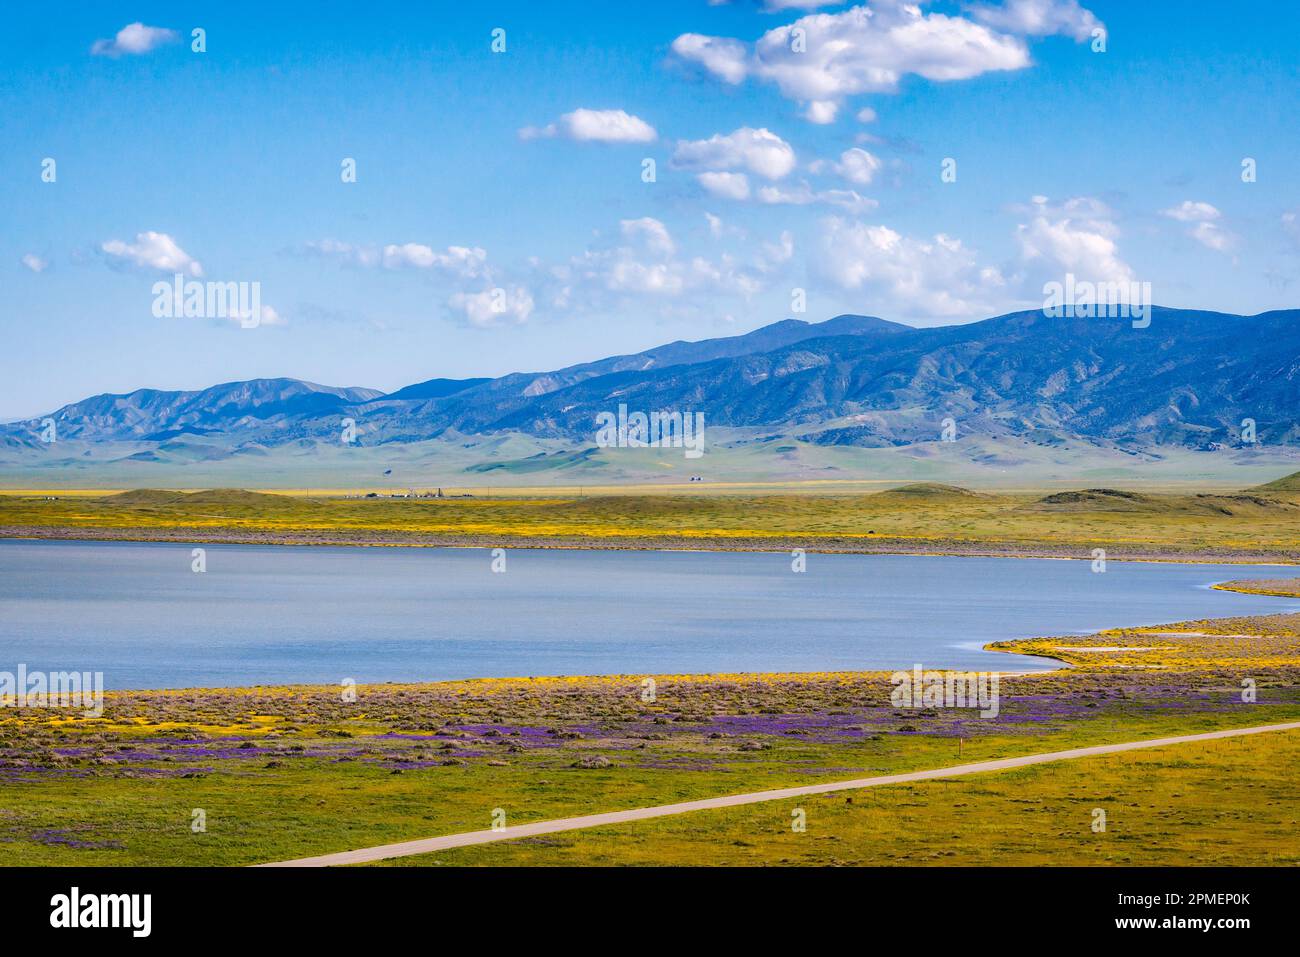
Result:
[{"x": 499, "y": 220}]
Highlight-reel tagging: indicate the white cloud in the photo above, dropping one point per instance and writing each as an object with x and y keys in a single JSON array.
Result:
[
  {"x": 135, "y": 39},
  {"x": 726, "y": 185},
  {"x": 847, "y": 199},
  {"x": 1077, "y": 236},
  {"x": 760, "y": 152},
  {"x": 857, "y": 51},
  {"x": 1191, "y": 212},
  {"x": 719, "y": 228},
  {"x": 866, "y": 115},
  {"x": 595, "y": 126},
  {"x": 822, "y": 111},
  {"x": 1205, "y": 229},
  {"x": 777, "y": 253},
  {"x": 35, "y": 263},
  {"x": 723, "y": 57},
  {"x": 858, "y": 166},
  {"x": 650, "y": 232},
  {"x": 153, "y": 251},
  {"x": 268, "y": 317},
  {"x": 1039, "y": 18},
  {"x": 464, "y": 262},
  {"x": 493, "y": 307},
  {"x": 628, "y": 275},
  {"x": 805, "y": 195},
  {"x": 644, "y": 264},
  {"x": 722, "y": 276},
  {"x": 921, "y": 277},
  {"x": 1213, "y": 236},
  {"x": 346, "y": 252}
]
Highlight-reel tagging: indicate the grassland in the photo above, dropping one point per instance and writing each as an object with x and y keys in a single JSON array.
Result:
[
  {"x": 1225, "y": 803},
  {"x": 1281, "y": 587},
  {"x": 747, "y": 455},
  {"x": 1261, "y": 525},
  {"x": 290, "y": 772}
]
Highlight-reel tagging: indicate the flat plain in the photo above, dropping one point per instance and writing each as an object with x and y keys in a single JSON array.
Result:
[{"x": 1260, "y": 524}]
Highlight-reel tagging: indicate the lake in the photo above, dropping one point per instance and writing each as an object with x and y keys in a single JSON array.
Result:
[{"x": 275, "y": 614}]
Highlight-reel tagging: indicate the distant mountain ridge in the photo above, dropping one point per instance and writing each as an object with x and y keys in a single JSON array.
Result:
[{"x": 1190, "y": 379}]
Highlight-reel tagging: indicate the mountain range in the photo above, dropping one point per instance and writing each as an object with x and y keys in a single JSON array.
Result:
[{"x": 1190, "y": 379}]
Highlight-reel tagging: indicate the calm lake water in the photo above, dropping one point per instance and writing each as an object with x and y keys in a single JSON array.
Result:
[{"x": 266, "y": 614}]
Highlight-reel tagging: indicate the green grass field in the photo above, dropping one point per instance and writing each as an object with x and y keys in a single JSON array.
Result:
[
  {"x": 1261, "y": 524},
  {"x": 1229, "y": 802},
  {"x": 280, "y": 773}
]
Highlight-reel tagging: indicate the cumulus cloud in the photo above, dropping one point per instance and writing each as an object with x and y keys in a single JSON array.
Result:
[
  {"x": 651, "y": 233},
  {"x": 937, "y": 277},
  {"x": 805, "y": 195},
  {"x": 629, "y": 275},
  {"x": 773, "y": 255},
  {"x": 822, "y": 111},
  {"x": 760, "y": 152},
  {"x": 855, "y": 165},
  {"x": 1039, "y": 18},
  {"x": 267, "y": 317},
  {"x": 724, "y": 58},
  {"x": 345, "y": 252},
  {"x": 643, "y": 264},
  {"x": 134, "y": 39},
  {"x": 925, "y": 277},
  {"x": 1077, "y": 236},
  {"x": 35, "y": 263},
  {"x": 823, "y": 58},
  {"x": 727, "y": 185},
  {"x": 152, "y": 250},
  {"x": 462, "y": 261},
  {"x": 595, "y": 126},
  {"x": 1191, "y": 212},
  {"x": 480, "y": 294},
  {"x": 492, "y": 307},
  {"x": 1202, "y": 218},
  {"x": 465, "y": 262}
]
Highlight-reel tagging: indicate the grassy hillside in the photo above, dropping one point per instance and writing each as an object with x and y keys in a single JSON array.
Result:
[{"x": 1287, "y": 483}]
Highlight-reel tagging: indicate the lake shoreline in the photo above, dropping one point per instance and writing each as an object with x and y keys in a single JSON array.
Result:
[
  {"x": 837, "y": 544},
  {"x": 303, "y": 770}
]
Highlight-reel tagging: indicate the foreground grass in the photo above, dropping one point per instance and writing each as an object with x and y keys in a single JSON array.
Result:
[
  {"x": 919, "y": 518},
  {"x": 1229, "y": 802},
  {"x": 280, "y": 773},
  {"x": 309, "y": 806}
]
